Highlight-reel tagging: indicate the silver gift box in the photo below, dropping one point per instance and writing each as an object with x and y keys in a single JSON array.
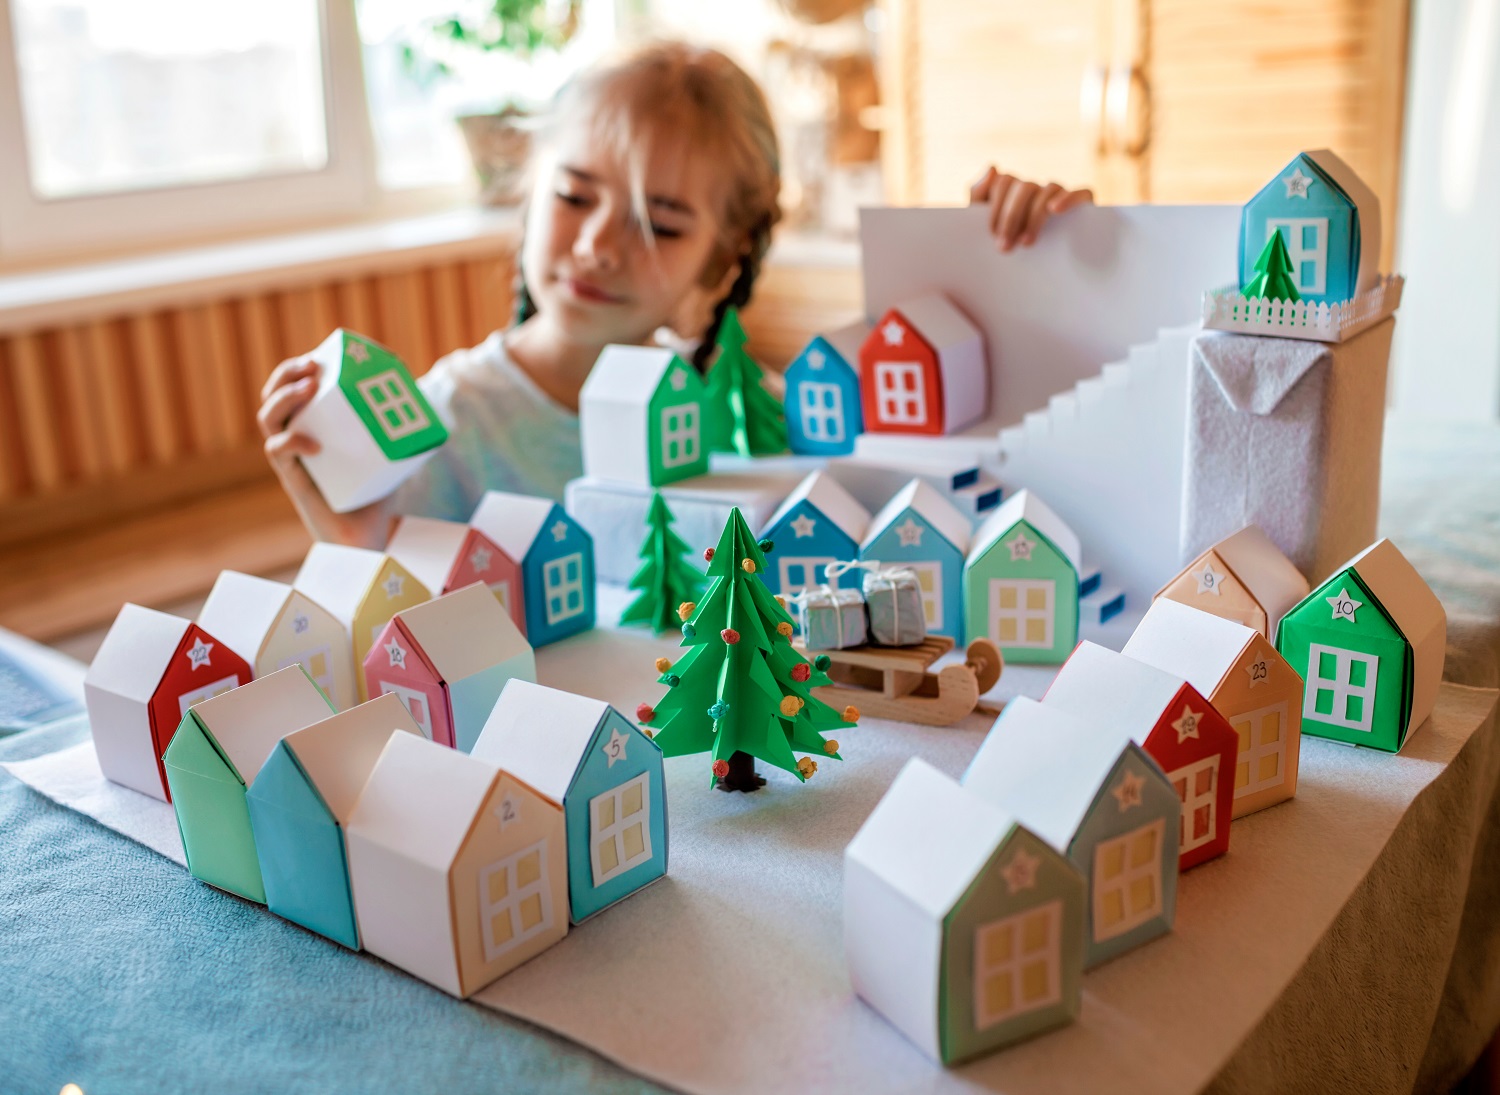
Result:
[
  {"x": 893, "y": 600},
  {"x": 831, "y": 619}
]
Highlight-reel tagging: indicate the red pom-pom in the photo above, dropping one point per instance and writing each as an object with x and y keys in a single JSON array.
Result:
[
  {"x": 708, "y": 555},
  {"x": 721, "y": 768},
  {"x": 801, "y": 672},
  {"x": 730, "y": 635},
  {"x": 645, "y": 713}
]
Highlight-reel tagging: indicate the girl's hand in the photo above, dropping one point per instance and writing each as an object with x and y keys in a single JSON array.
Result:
[{"x": 1018, "y": 209}]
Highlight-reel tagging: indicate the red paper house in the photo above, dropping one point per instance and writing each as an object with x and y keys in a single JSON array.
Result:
[
  {"x": 448, "y": 555},
  {"x": 923, "y": 369},
  {"x": 1171, "y": 720}
]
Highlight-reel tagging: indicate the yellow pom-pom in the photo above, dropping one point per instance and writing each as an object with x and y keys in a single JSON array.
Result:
[
  {"x": 851, "y": 713},
  {"x": 790, "y": 705},
  {"x": 648, "y": 732},
  {"x": 685, "y": 610},
  {"x": 807, "y": 766},
  {"x": 831, "y": 746},
  {"x": 781, "y": 601},
  {"x": 747, "y": 565},
  {"x": 663, "y": 664},
  {"x": 784, "y": 629}
]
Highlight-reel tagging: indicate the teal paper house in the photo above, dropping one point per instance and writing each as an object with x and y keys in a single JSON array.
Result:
[
  {"x": 214, "y": 759},
  {"x": 1021, "y": 582},
  {"x": 556, "y": 557},
  {"x": 819, "y": 523},
  {"x": 300, "y": 806},
  {"x": 823, "y": 413},
  {"x": 922, "y": 531},
  {"x": 584, "y": 756},
  {"x": 641, "y": 417}
]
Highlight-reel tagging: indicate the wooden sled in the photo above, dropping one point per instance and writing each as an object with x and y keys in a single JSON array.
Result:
[{"x": 893, "y": 682}]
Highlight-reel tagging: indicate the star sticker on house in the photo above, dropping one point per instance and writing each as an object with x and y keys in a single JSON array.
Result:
[
  {"x": 1297, "y": 183},
  {"x": 479, "y": 559},
  {"x": 359, "y": 352},
  {"x": 1208, "y": 580},
  {"x": 560, "y": 531},
  {"x": 393, "y": 586},
  {"x": 614, "y": 748},
  {"x": 678, "y": 380},
  {"x": 1260, "y": 672},
  {"x": 198, "y": 653},
  {"x": 893, "y": 333},
  {"x": 803, "y": 526},
  {"x": 1344, "y": 606},
  {"x": 1020, "y": 872},
  {"x": 300, "y": 623},
  {"x": 1128, "y": 791},
  {"x": 816, "y": 359},
  {"x": 394, "y": 652},
  {"x": 1187, "y": 724},
  {"x": 1020, "y": 548},
  {"x": 910, "y": 533}
]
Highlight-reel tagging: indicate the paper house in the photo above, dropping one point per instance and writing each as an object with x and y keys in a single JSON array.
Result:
[
  {"x": 1369, "y": 643},
  {"x": 214, "y": 759},
  {"x": 1245, "y": 578},
  {"x": 1098, "y": 798},
  {"x": 300, "y": 805},
  {"x": 447, "y": 555},
  {"x": 459, "y": 869},
  {"x": 1238, "y": 670},
  {"x": 819, "y": 523},
  {"x": 374, "y": 424},
  {"x": 961, "y": 927},
  {"x": 923, "y": 369},
  {"x": 272, "y": 625},
  {"x": 641, "y": 417},
  {"x": 590, "y": 760},
  {"x": 1329, "y": 220},
  {"x": 1173, "y": 722},
  {"x": 363, "y": 589},
  {"x": 921, "y": 530},
  {"x": 448, "y": 660},
  {"x": 556, "y": 557},
  {"x": 1021, "y": 582},
  {"x": 823, "y": 415},
  {"x": 149, "y": 670}
]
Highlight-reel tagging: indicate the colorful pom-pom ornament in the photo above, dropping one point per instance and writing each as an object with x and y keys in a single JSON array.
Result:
[
  {"x": 648, "y": 732},
  {"x": 721, "y": 768},
  {"x": 708, "y": 555},
  {"x": 781, "y": 601},
  {"x": 784, "y": 629},
  {"x": 807, "y": 766},
  {"x": 718, "y": 710},
  {"x": 765, "y": 545},
  {"x": 822, "y": 662},
  {"x": 831, "y": 746},
  {"x": 685, "y": 610},
  {"x": 730, "y": 635},
  {"x": 672, "y": 680},
  {"x": 851, "y": 713},
  {"x": 801, "y": 672},
  {"x": 645, "y": 713},
  {"x": 688, "y": 631},
  {"x": 663, "y": 664},
  {"x": 747, "y": 565},
  {"x": 790, "y": 705}
]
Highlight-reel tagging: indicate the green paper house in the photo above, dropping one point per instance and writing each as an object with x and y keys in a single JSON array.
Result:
[
  {"x": 214, "y": 758},
  {"x": 1369, "y": 643},
  {"x": 641, "y": 417}
]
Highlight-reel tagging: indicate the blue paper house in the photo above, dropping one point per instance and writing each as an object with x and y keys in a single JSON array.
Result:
[
  {"x": 556, "y": 557},
  {"x": 819, "y": 523},
  {"x": 300, "y": 806},
  {"x": 606, "y": 775},
  {"x": 1330, "y": 221},
  {"x": 823, "y": 415},
  {"x": 923, "y": 531}
]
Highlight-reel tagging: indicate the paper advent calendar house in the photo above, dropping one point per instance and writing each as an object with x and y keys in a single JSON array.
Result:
[
  {"x": 819, "y": 523},
  {"x": 1245, "y": 578},
  {"x": 448, "y": 660},
  {"x": 149, "y": 670},
  {"x": 374, "y": 424},
  {"x": 1248, "y": 682},
  {"x": 1370, "y": 643},
  {"x": 591, "y": 761},
  {"x": 300, "y": 805},
  {"x": 556, "y": 557},
  {"x": 1173, "y": 722},
  {"x": 447, "y": 555},
  {"x": 273, "y": 626},
  {"x": 823, "y": 415},
  {"x": 641, "y": 417},
  {"x": 923, "y": 369},
  {"x": 1098, "y": 799},
  {"x": 920, "y": 529},
  {"x": 215, "y": 758},
  {"x": 459, "y": 870},
  {"x": 1329, "y": 220},
  {"x": 363, "y": 589},
  {"x": 1021, "y": 582},
  {"x": 961, "y": 927}
]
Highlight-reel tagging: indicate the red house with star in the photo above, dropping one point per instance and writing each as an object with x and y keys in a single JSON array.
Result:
[
  {"x": 923, "y": 369},
  {"x": 449, "y": 555}
]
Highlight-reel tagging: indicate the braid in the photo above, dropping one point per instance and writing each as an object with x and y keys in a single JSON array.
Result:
[
  {"x": 738, "y": 295},
  {"x": 525, "y": 306}
]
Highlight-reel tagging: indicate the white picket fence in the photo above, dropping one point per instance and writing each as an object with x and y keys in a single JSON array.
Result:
[{"x": 1228, "y": 310}]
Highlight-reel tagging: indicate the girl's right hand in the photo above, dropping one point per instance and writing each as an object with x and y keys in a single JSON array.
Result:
[{"x": 290, "y": 387}]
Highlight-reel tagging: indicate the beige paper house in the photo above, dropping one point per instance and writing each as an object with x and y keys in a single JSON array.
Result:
[{"x": 1245, "y": 578}]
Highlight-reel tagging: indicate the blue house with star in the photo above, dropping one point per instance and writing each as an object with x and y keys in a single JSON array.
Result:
[
  {"x": 819, "y": 523},
  {"x": 923, "y": 531},
  {"x": 823, "y": 415},
  {"x": 556, "y": 557}
]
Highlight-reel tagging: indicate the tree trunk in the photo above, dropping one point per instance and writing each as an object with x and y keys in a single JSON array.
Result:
[{"x": 741, "y": 775}]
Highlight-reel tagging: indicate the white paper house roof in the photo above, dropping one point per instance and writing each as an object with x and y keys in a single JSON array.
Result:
[
  {"x": 134, "y": 655},
  {"x": 832, "y": 500},
  {"x": 1028, "y": 506},
  {"x": 626, "y": 375},
  {"x": 1368, "y": 207},
  {"x": 241, "y": 610},
  {"x": 539, "y": 735},
  {"x": 1197, "y": 646},
  {"x": 427, "y": 547},
  {"x": 1410, "y": 603},
  {"x": 247, "y": 722},
  {"x": 464, "y": 632},
  {"x": 1264, "y": 570},
  {"x": 512, "y": 521},
  {"x": 338, "y": 577},
  {"x": 939, "y": 322},
  {"x": 1106, "y": 689},
  {"x": 339, "y": 753},
  {"x": 932, "y": 504}
]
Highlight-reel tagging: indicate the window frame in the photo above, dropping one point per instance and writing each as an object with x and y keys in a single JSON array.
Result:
[
  {"x": 1191, "y": 801},
  {"x": 511, "y": 902},
  {"x": 1102, "y": 886},
  {"x": 897, "y": 405},
  {"x": 820, "y": 422},
  {"x": 1342, "y": 689},
  {"x": 1256, "y": 748},
  {"x": 615, "y": 830},
  {"x": 562, "y": 587},
  {"x": 1022, "y": 612},
  {"x": 1051, "y": 956}
]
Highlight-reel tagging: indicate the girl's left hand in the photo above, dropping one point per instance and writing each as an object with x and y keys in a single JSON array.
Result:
[{"x": 1018, "y": 209}]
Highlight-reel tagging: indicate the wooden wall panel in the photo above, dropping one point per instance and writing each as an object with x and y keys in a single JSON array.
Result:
[
  {"x": 164, "y": 428},
  {"x": 39, "y": 423}
]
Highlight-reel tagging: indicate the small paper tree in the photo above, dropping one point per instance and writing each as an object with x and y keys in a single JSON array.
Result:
[
  {"x": 1273, "y": 279},
  {"x": 742, "y": 691},
  {"x": 664, "y": 578},
  {"x": 739, "y": 414}
]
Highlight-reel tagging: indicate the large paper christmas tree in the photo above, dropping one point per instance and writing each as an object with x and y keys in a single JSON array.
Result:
[
  {"x": 739, "y": 414},
  {"x": 742, "y": 692},
  {"x": 665, "y": 581},
  {"x": 1273, "y": 279}
]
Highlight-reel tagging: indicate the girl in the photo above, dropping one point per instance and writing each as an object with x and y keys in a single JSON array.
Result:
[{"x": 654, "y": 195}]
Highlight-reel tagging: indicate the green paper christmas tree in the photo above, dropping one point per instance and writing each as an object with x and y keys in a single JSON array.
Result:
[
  {"x": 739, "y": 414},
  {"x": 664, "y": 579},
  {"x": 742, "y": 692},
  {"x": 1273, "y": 279}
]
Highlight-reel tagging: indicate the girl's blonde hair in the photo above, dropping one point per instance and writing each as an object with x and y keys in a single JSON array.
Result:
[{"x": 630, "y": 100}]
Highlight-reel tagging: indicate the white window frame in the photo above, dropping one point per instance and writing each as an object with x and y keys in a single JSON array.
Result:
[
  {"x": 1011, "y": 967},
  {"x": 1021, "y": 613},
  {"x": 562, "y": 587},
  {"x": 1255, "y": 749},
  {"x": 1339, "y": 685},
  {"x": 1317, "y": 254},
  {"x": 511, "y": 902},
  {"x": 207, "y": 692},
  {"x": 688, "y": 434},
  {"x": 932, "y": 600},
  {"x": 615, "y": 831},
  {"x": 894, "y": 405},
  {"x": 405, "y": 399},
  {"x": 1123, "y": 881},
  {"x": 811, "y": 562},
  {"x": 405, "y": 694},
  {"x": 1186, "y": 842},
  {"x": 820, "y": 423}
]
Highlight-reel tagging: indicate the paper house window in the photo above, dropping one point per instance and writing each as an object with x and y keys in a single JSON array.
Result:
[
  {"x": 395, "y": 407},
  {"x": 899, "y": 392},
  {"x": 1017, "y": 964},
  {"x": 1262, "y": 749},
  {"x": 801, "y": 573},
  {"x": 515, "y": 902},
  {"x": 679, "y": 434},
  {"x": 822, "y": 411},
  {"x": 1022, "y": 610},
  {"x": 318, "y": 662},
  {"x": 930, "y": 582},
  {"x": 501, "y": 590},
  {"x": 563, "y": 583},
  {"x": 1127, "y": 880},
  {"x": 207, "y": 692},
  {"x": 1340, "y": 687},
  {"x": 415, "y": 704},
  {"x": 1307, "y": 247},
  {"x": 1197, "y": 785},
  {"x": 620, "y": 828}
]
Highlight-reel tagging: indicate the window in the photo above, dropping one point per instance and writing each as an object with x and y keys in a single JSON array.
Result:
[
  {"x": 515, "y": 902},
  {"x": 1197, "y": 786},
  {"x": 1127, "y": 880},
  {"x": 1307, "y": 247},
  {"x": 416, "y": 703},
  {"x": 802, "y": 572},
  {"x": 679, "y": 435},
  {"x": 1262, "y": 756},
  {"x": 620, "y": 828},
  {"x": 822, "y": 411},
  {"x": 207, "y": 692},
  {"x": 900, "y": 398},
  {"x": 1021, "y": 611},
  {"x": 318, "y": 662},
  {"x": 562, "y": 580},
  {"x": 1340, "y": 687},
  {"x": 395, "y": 407},
  {"x": 501, "y": 590},
  {"x": 930, "y": 582},
  {"x": 1017, "y": 964}
]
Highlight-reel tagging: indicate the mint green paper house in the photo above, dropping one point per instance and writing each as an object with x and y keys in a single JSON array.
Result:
[
  {"x": 641, "y": 417},
  {"x": 214, "y": 758}
]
